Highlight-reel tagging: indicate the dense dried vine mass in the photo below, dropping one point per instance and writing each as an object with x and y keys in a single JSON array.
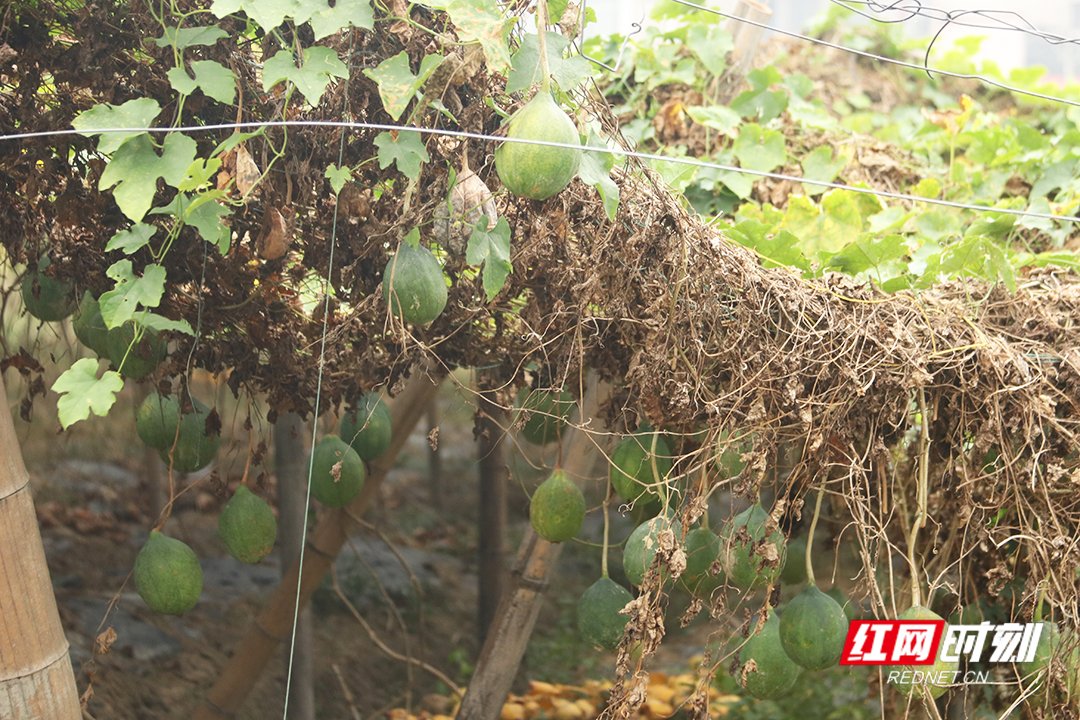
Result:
[{"x": 691, "y": 328}]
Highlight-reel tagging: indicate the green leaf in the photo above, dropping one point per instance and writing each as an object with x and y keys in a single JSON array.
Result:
[
  {"x": 677, "y": 175},
  {"x": 136, "y": 167},
  {"x": 762, "y": 105},
  {"x": 483, "y": 21},
  {"x": 870, "y": 252},
  {"x": 199, "y": 173},
  {"x": 595, "y": 170},
  {"x": 407, "y": 151},
  {"x": 397, "y": 84},
  {"x": 819, "y": 164},
  {"x": 132, "y": 114},
  {"x": 996, "y": 226},
  {"x": 567, "y": 72},
  {"x": 777, "y": 249},
  {"x": 718, "y": 117},
  {"x": 132, "y": 239},
  {"x": 328, "y": 20},
  {"x": 413, "y": 237},
  {"x": 799, "y": 84},
  {"x": 739, "y": 183},
  {"x": 217, "y": 82},
  {"x": 157, "y": 322},
  {"x": 337, "y": 176},
  {"x": 759, "y": 149},
  {"x": 1053, "y": 177},
  {"x": 890, "y": 219},
  {"x": 203, "y": 214},
  {"x": 268, "y": 14},
  {"x": 492, "y": 248},
  {"x": 235, "y": 139},
  {"x": 122, "y": 302},
  {"x": 320, "y": 64},
  {"x": 811, "y": 115},
  {"x": 827, "y": 229},
  {"x": 711, "y": 43},
  {"x": 182, "y": 38},
  {"x": 82, "y": 392},
  {"x": 937, "y": 224}
]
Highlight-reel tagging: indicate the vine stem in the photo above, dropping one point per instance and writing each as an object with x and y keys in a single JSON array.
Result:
[
  {"x": 810, "y": 538},
  {"x": 607, "y": 530},
  {"x": 541, "y": 28},
  {"x": 921, "y": 496}
]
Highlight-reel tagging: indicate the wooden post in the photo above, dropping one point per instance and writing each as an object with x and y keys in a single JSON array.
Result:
[
  {"x": 491, "y": 420},
  {"x": 36, "y": 680},
  {"x": 291, "y": 463},
  {"x": 274, "y": 623},
  {"x": 533, "y": 569},
  {"x": 746, "y": 37}
]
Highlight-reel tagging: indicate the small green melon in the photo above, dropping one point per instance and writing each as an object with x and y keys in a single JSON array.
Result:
[
  {"x": 758, "y": 570},
  {"x": 155, "y": 421},
  {"x": 247, "y": 526},
  {"x": 194, "y": 448},
  {"x": 90, "y": 327},
  {"x": 813, "y": 629},
  {"x": 702, "y": 550},
  {"x": 167, "y": 575},
  {"x": 775, "y": 673},
  {"x": 729, "y": 463},
  {"x": 631, "y": 470},
  {"x": 414, "y": 277},
  {"x": 794, "y": 570},
  {"x": 931, "y": 674},
  {"x": 45, "y": 298},
  {"x": 366, "y": 427},
  {"x": 557, "y": 509},
  {"x": 332, "y": 484},
  {"x": 538, "y": 171},
  {"x": 548, "y": 413},
  {"x": 599, "y": 621},
  {"x": 640, "y": 549},
  {"x": 134, "y": 359}
]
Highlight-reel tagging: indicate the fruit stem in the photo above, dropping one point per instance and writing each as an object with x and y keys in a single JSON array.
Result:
[
  {"x": 920, "y": 499},
  {"x": 810, "y": 537},
  {"x": 607, "y": 529},
  {"x": 541, "y": 27}
]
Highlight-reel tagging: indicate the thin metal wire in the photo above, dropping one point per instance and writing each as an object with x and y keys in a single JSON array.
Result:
[
  {"x": 880, "y": 58},
  {"x": 318, "y": 400},
  {"x": 994, "y": 18},
  {"x": 613, "y": 151}
]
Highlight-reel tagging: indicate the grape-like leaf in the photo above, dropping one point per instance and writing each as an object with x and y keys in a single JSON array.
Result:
[
  {"x": 337, "y": 176},
  {"x": 132, "y": 239},
  {"x": 483, "y": 21},
  {"x": 326, "y": 20},
  {"x": 214, "y": 79},
  {"x": 132, "y": 114},
  {"x": 711, "y": 44},
  {"x": 131, "y": 292},
  {"x": 397, "y": 84},
  {"x": 81, "y": 391},
  {"x": 158, "y": 322},
  {"x": 820, "y": 164},
  {"x": 181, "y": 38},
  {"x": 759, "y": 148},
  {"x": 777, "y": 249},
  {"x": 311, "y": 79},
  {"x": 136, "y": 167},
  {"x": 595, "y": 170},
  {"x": 267, "y": 13},
  {"x": 492, "y": 248},
  {"x": 407, "y": 151},
  {"x": 567, "y": 72}
]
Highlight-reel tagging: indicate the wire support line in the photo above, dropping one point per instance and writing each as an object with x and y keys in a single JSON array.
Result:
[
  {"x": 902, "y": 63},
  {"x": 993, "y": 19},
  {"x": 586, "y": 148}
]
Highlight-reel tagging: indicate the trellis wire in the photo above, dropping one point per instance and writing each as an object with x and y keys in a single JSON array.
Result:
[{"x": 588, "y": 148}]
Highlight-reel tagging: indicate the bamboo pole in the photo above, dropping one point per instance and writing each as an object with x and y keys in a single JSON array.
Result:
[
  {"x": 273, "y": 625},
  {"x": 36, "y": 680},
  {"x": 533, "y": 569}
]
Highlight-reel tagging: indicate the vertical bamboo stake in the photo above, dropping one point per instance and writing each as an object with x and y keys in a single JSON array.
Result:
[
  {"x": 290, "y": 460},
  {"x": 36, "y": 680}
]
